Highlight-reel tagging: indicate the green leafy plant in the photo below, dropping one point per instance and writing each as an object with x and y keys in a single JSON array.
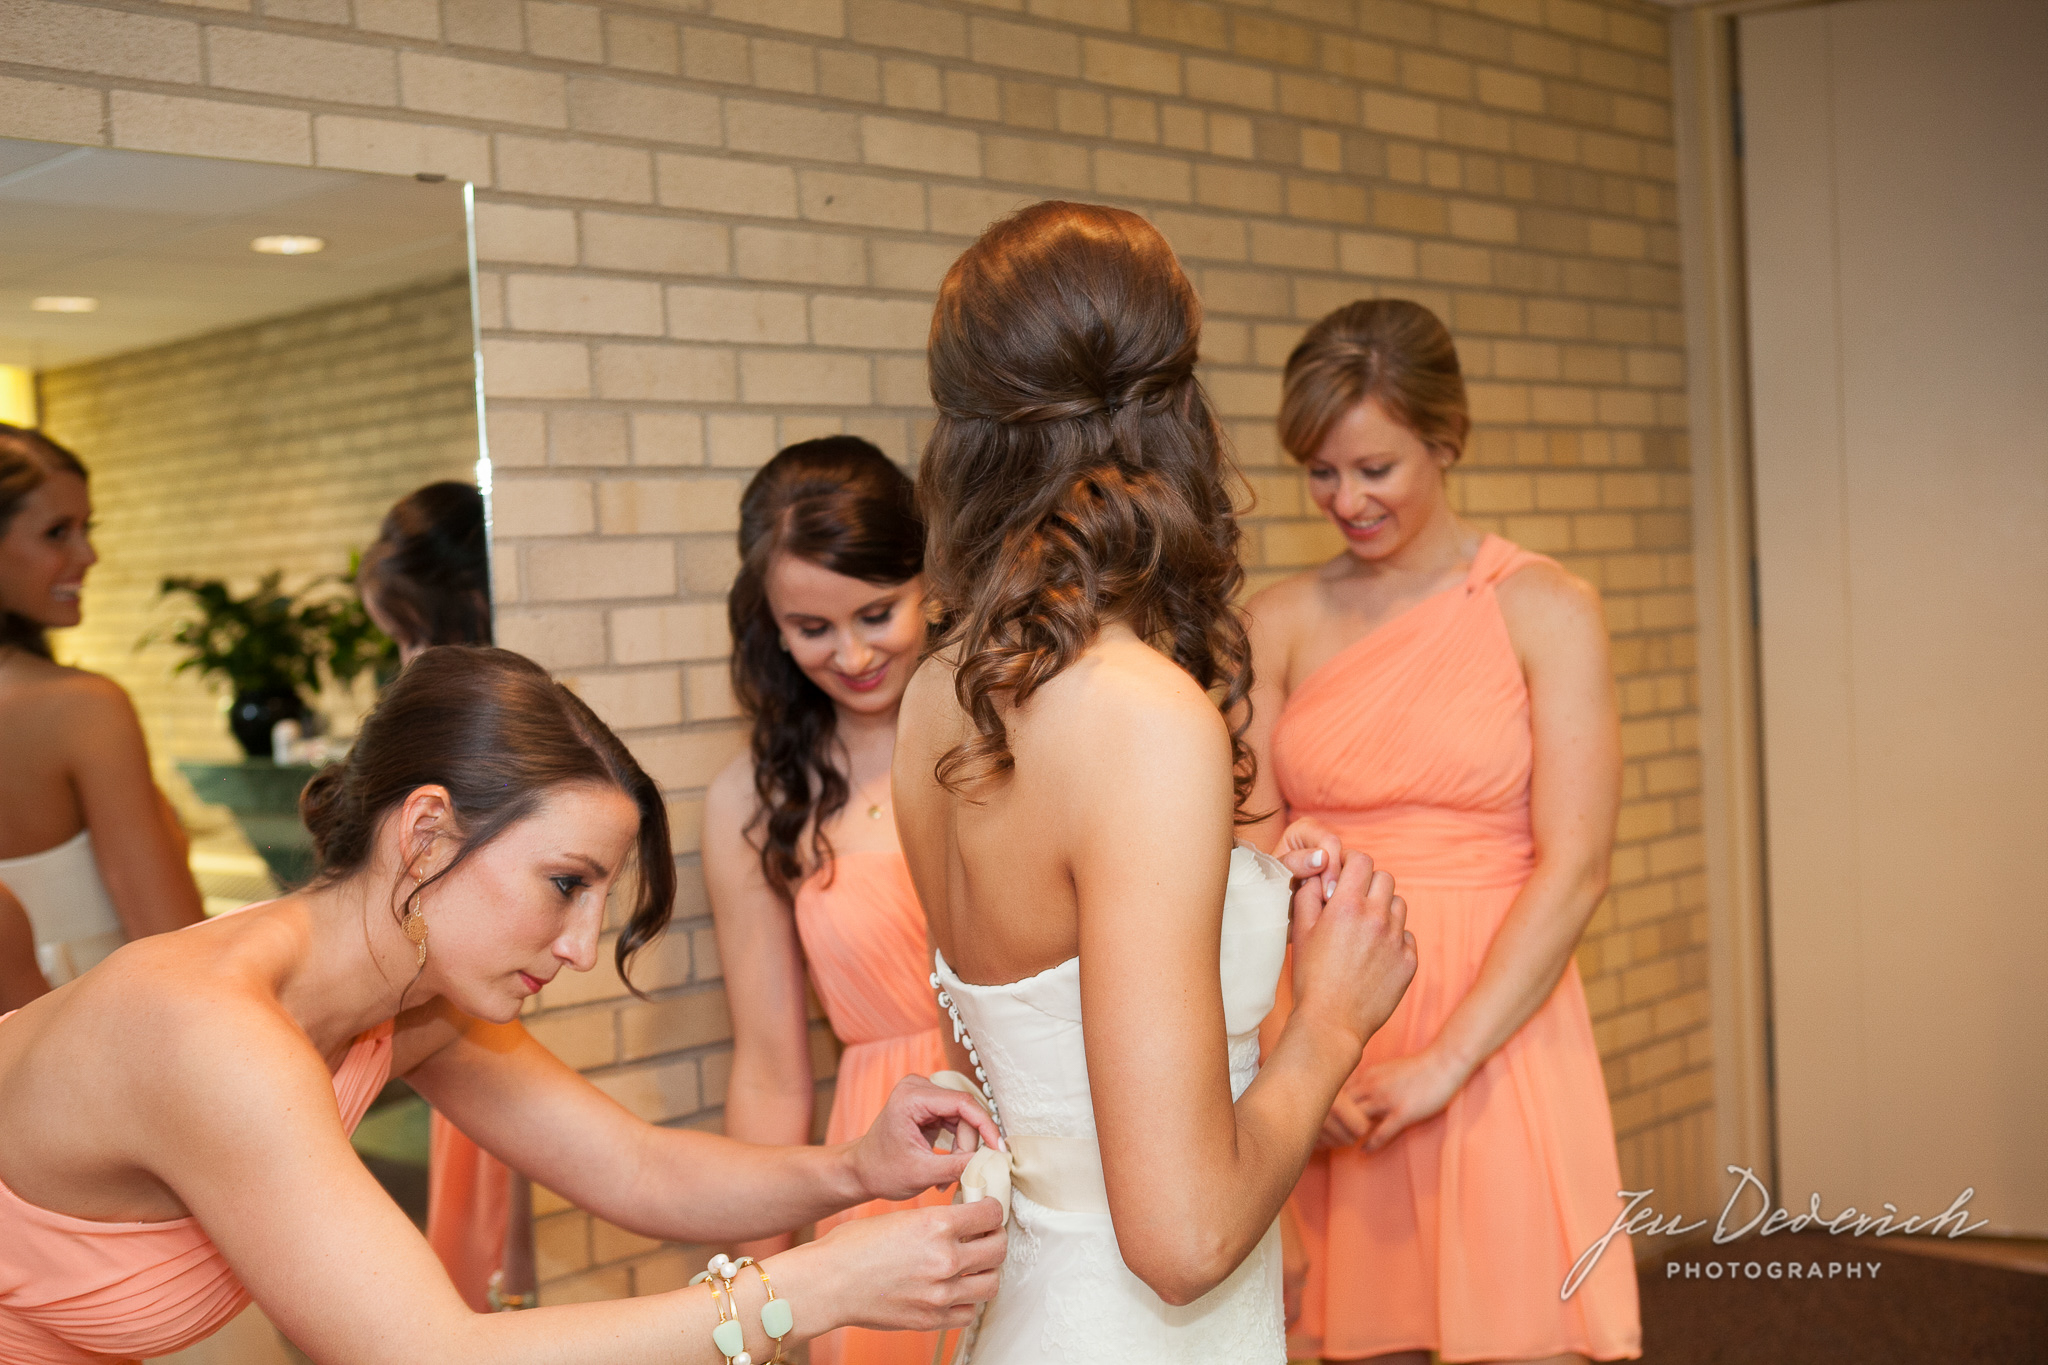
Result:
[{"x": 272, "y": 641}]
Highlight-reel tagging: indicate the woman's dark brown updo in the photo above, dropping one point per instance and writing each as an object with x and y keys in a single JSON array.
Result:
[
  {"x": 1077, "y": 474},
  {"x": 495, "y": 730},
  {"x": 429, "y": 569},
  {"x": 838, "y": 503},
  {"x": 27, "y": 457}
]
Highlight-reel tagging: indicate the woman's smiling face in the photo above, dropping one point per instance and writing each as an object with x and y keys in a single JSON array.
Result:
[
  {"x": 858, "y": 641},
  {"x": 45, "y": 551},
  {"x": 1376, "y": 480}
]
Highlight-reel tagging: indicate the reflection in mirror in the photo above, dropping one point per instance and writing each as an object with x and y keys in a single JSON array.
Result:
[{"x": 254, "y": 363}]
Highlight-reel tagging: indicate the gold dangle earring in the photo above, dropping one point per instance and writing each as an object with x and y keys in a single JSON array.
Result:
[{"x": 415, "y": 924}]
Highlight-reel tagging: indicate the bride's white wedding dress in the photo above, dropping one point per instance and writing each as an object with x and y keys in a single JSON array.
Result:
[{"x": 1066, "y": 1294}]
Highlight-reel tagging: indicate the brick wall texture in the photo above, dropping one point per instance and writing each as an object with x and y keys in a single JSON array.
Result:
[
  {"x": 275, "y": 445},
  {"x": 709, "y": 227}
]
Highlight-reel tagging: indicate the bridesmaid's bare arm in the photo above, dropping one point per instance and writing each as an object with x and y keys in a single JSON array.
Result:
[
  {"x": 768, "y": 1097},
  {"x": 1558, "y": 631},
  {"x": 244, "y": 1134},
  {"x": 135, "y": 839}
]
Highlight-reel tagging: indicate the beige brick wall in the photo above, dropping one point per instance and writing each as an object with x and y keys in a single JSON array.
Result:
[
  {"x": 279, "y": 444},
  {"x": 709, "y": 227}
]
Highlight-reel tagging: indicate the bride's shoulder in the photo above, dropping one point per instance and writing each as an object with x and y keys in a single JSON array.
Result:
[
  {"x": 1124, "y": 692},
  {"x": 931, "y": 683},
  {"x": 930, "y": 712}
]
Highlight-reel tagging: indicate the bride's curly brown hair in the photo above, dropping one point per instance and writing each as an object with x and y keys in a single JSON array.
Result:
[{"x": 1077, "y": 474}]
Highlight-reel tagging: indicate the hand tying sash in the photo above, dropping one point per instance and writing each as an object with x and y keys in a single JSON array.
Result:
[{"x": 1059, "y": 1173}]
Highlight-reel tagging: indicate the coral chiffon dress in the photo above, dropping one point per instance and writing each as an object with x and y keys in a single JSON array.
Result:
[
  {"x": 469, "y": 1205},
  {"x": 1414, "y": 745},
  {"x": 863, "y": 935},
  {"x": 78, "y": 1292}
]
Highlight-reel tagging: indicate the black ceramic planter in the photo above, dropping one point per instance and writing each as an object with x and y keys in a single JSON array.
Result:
[{"x": 253, "y": 713}]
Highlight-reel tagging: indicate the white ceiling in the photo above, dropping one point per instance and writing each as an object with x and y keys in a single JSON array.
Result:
[{"x": 163, "y": 243}]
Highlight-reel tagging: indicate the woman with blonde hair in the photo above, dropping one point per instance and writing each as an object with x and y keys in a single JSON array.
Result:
[
  {"x": 1067, "y": 777},
  {"x": 1443, "y": 699}
]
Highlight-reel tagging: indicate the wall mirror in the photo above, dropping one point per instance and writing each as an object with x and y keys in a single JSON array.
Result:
[{"x": 255, "y": 362}]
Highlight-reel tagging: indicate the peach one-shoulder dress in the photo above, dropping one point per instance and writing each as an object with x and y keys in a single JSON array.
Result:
[
  {"x": 1414, "y": 745},
  {"x": 78, "y": 1292},
  {"x": 863, "y": 935}
]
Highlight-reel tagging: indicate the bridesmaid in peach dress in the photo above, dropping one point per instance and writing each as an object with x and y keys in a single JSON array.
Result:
[
  {"x": 800, "y": 852},
  {"x": 1442, "y": 700}
]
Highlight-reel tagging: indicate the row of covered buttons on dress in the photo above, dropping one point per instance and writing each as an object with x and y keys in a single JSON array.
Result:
[{"x": 960, "y": 1035}]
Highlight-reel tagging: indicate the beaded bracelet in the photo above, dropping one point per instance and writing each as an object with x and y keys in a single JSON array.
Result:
[
  {"x": 776, "y": 1318},
  {"x": 729, "y": 1336}
]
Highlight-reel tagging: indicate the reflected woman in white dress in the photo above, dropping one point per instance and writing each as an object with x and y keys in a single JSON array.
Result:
[
  {"x": 1067, "y": 776},
  {"x": 87, "y": 842}
]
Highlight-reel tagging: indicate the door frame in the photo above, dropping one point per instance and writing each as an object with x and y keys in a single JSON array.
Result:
[{"x": 1705, "y": 118}]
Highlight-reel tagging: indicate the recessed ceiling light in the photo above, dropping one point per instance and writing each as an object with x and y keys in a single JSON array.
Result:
[
  {"x": 64, "y": 303},
  {"x": 288, "y": 244}
]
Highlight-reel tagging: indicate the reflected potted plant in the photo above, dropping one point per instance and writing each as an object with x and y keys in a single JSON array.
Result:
[{"x": 270, "y": 647}]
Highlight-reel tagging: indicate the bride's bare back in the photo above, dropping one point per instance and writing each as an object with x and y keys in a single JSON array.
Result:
[{"x": 1121, "y": 785}]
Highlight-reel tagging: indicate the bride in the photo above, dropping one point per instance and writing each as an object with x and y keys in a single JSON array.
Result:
[{"x": 1066, "y": 784}]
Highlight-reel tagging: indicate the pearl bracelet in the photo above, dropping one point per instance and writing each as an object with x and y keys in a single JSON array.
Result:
[{"x": 729, "y": 1336}]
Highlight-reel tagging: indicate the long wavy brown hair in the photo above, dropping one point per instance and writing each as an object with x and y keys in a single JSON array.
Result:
[
  {"x": 837, "y": 502},
  {"x": 1077, "y": 474}
]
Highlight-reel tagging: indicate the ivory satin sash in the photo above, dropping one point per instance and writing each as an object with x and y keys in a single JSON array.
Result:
[{"x": 1060, "y": 1173}]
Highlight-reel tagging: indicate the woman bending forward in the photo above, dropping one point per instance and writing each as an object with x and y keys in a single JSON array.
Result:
[{"x": 174, "y": 1125}]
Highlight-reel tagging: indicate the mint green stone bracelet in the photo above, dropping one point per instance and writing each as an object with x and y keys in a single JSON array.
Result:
[
  {"x": 728, "y": 1336},
  {"x": 776, "y": 1318}
]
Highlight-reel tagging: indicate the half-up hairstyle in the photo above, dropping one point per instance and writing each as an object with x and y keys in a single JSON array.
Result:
[
  {"x": 838, "y": 503},
  {"x": 27, "y": 457},
  {"x": 1077, "y": 474},
  {"x": 495, "y": 730},
  {"x": 1393, "y": 351}
]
